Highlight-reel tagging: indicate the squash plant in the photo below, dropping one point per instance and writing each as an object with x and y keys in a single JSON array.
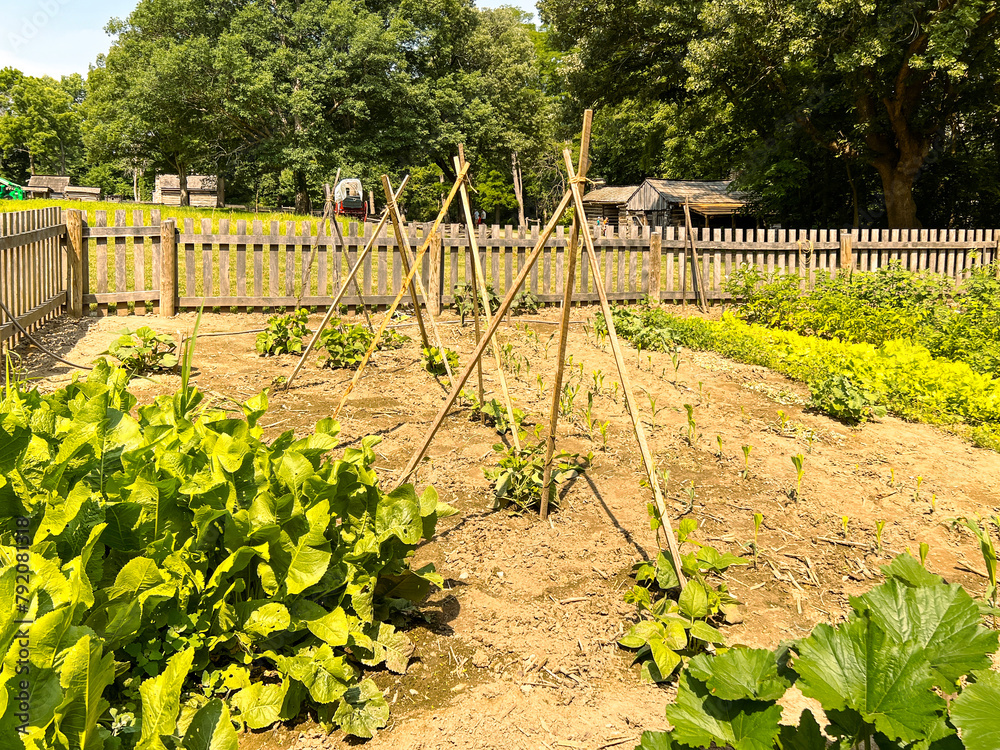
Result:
[
  {"x": 143, "y": 350},
  {"x": 173, "y": 572},
  {"x": 284, "y": 334},
  {"x": 910, "y": 668}
]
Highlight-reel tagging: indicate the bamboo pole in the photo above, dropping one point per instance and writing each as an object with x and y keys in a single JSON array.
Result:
[
  {"x": 567, "y": 309},
  {"x": 402, "y": 291},
  {"x": 403, "y": 245},
  {"x": 352, "y": 274},
  {"x": 404, "y": 253},
  {"x": 480, "y": 279},
  {"x": 696, "y": 279},
  {"x": 421, "y": 451},
  {"x": 354, "y": 278},
  {"x": 626, "y": 381}
]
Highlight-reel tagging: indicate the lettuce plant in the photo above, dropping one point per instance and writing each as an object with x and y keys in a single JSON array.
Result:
[{"x": 180, "y": 573}]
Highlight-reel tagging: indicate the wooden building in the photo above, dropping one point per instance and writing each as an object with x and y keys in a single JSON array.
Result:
[
  {"x": 75, "y": 193},
  {"x": 609, "y": 203},
  {"x": 659, "y": 203},
  {"x": 206, "y": 191},
  {"x": 48, "y": 186}
]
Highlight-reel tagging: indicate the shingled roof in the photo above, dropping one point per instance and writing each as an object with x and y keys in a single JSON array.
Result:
[
  {"x": 55, "y": 183},
  {"x": 697, "y": 191},
  {"x": 611, "y": 194}
]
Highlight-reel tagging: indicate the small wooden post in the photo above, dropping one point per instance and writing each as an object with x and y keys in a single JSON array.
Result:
[
  {"x": 655, "y": 259},
  {"x": 74, "y": 263},
  {"x": 434, "y": 275},
  {"x": 168, "y": 268},
  {"x": 846, "y": 256}
]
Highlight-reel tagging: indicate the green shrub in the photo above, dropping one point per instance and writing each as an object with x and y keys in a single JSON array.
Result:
[
  {"x": 910, "y": 668},
  {"x": 345, "y": 345},
  {"x": 517, "y": 480},
  {"x": 284, "y": 334},
  {"x": 838, "y": 396},
  {"x": 179, "y": 570},
  {"x": 143, "y": 350},
  {"x": 524, "y": 303}
]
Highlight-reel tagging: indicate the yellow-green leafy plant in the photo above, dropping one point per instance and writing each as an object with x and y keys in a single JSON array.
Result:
[
  {"x": 746, "y": 461},
  {"x": 879, "y": 527},
  {"x": 799, "y": 462},
  {"x": 758, "y": 520}
]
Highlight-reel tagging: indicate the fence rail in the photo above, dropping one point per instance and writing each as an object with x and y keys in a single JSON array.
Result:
[
  {"x": 32, "y": 270},
  {"x": 122, "y": 265}
]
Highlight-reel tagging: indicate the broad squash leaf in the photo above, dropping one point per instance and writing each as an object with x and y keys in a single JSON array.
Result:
[
  {"x": 740, "y": 673},
  {"x": 976, "y": 712},
  {"x": 363, "y": 710},
  {"x": 858, "y": 666},
  {"x": 699, "y": 719}
]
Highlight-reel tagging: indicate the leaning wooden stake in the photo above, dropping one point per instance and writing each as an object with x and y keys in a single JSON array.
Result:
[
  {"x": 352, "y": 274},
  {"x": 456, "y": 388},
  {"x": 404, "y": 254},
  {"x": 480, "y": 287},
  {"x": 626, "y": 381},
  {"x": 402, "y": 291},
  {"x": 696, "y": 279},
  {"x": 567, "y": 309}
]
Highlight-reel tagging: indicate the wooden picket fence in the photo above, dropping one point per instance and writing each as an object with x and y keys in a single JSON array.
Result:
[
  {"x": 32, "y": 270},
  {"x": 133, "y": 264}
]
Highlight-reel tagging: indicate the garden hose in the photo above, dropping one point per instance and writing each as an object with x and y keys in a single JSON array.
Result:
[{"x": 34, "y": 341}]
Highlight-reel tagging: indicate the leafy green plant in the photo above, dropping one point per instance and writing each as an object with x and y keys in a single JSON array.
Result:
[
  {"x": 879, "y": 527},
  {"x": 692, "y": 427},
  {"x": 602, "y": 427},
  {"x": 746, "y": 460},
  {"x": 838, "y": 396},
  {"x": 143, "y": 350},
  {"x": 284, "y": 334},
  {"x": 989, "y": 553},
  {"x": 844, "y": 521},
  {"x": 433, "y": 361},
  {"x": 463, "y": 301},
  {"x": 496, "y": 414},
  {"x": 517, "y": 480},
  {"x": 758, "y": 520},
  {"x": 675, "y": 624},
  {"x": 799, "y": 462},
  {"x": 524, "y": 303},
  {"x": 344, "y": 345},
  {"x": 567, "y": 397},
  {"x": 718, "y": 442},
  {"x": 184, "y": 572},
  {"x": 882, "y": 678}
]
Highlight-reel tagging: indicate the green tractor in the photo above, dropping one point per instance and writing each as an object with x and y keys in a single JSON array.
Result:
[{"x": 11, "y": 190}]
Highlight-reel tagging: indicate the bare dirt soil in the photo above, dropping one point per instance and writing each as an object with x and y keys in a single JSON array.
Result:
[{"x": 519, "y": 649}]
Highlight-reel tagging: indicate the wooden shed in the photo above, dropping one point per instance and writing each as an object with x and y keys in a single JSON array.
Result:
[
  {"x": 207, "y": 191},
  {"x": 76, "y": 193},
  {"x": 660, "y": 203},
  {"x": 609, "y": 203},
  {"x": 48, "y": 186}
]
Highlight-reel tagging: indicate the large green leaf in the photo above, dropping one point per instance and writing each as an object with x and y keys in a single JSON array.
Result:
[
  {"x": 858, "y": 666},
  {"x": 260, "y": 705},
  {"x": 807, "y": 735},
  {"x": 693, "y": 600},
  {"x": 398, "y": 515},
  {"x": 84, "y": 675},
  {"x": 655, "y": 741},
  {"x": 699, "y": 719},
  {"x": 363, "y": 710},
  {"x": 211, "y": 729},
  {"x": 976, "y": 712},
  {"x": 161, "y": 701},
  {"x": 740, "y": 673},
  {"x": 942, "y": 618}
]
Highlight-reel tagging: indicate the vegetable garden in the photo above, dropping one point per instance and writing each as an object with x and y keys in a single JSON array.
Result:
[{"x": 200, "y": 554}]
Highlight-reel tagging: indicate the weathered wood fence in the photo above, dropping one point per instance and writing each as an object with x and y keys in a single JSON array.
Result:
[
  {"x": 120, "y": 264},
  {"x": 32, "y": 269}
]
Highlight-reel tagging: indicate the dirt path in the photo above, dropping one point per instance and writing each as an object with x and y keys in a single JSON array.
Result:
[{"x": 519, "y": 648}]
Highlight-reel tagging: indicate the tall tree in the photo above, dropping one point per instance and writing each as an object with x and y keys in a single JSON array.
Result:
[{"x": 40, "y": 117}]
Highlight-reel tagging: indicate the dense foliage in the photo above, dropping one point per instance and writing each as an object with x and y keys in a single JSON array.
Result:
[
  {"x": 901, "y": 376},
  {"x": 910, "y": 668},
  {"x": 879, "y": 306},
  {"x": 143, "y": 350},
  {"x": 519, "y": 475},
  {"x": 173, "y": 571}
]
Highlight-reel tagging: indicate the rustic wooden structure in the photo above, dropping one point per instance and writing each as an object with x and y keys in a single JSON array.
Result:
[
  {"x": 660, "y": 203},
  {"x": 48, "y": 186},
  {"x": 609, "y": 204},
  {"x": 32, "y": 270},
  {"x": 89, "y": 194},
  {"x": 206, "y": 191}
]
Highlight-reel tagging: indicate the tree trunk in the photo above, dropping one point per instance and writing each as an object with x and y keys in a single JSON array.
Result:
[
  {"x": 135, "y": 185},
  {"x": 182, "y": 177},
  {"x": 897, "y": 187},
  {"x": 303, "y": 205}
]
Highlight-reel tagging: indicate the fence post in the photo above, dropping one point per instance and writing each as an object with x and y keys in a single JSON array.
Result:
[
  {"x": 168, "y": 268},
  {"x": 846, "y": 257},
  {"x": 655, "y": 259},
  {"x": 435, "y": 275},
  {"x": 74, "y": 263}
]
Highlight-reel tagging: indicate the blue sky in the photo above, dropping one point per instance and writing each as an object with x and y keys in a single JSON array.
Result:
[{"x": 58, "y": 37}]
